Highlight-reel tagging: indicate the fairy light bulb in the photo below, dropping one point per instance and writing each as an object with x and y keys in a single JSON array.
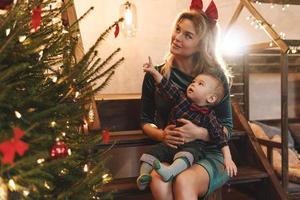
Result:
[
  {"x": 106, "y": 178},
  {"x": 53, "y": 124},
  {"x": 47, "y": 185},
  {"x": 40, "y": 160},
  {"x": 7, "y": 31},
  {"x": 283, "y": 8},
  {"x": 54, "y": 79},
  {"x": 85, "y": 168},
  {"x": 41, "y": 54},
  {"x": 77, "y": 94},
  {"x": 18, "y": 115},
  {"x": 25, "y": 193},
  {"x": 69, "y": 152},
  {"x": 22, "y": 38}
]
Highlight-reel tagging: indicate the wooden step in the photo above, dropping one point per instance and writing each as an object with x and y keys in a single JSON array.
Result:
[
  {"x": 137, "y": 138},
  {"x": 293, "y": 191},
  {"x": 128, "y": 185}
]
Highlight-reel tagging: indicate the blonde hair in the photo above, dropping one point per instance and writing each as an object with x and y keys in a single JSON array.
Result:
[{"x": 206, "y": 54}]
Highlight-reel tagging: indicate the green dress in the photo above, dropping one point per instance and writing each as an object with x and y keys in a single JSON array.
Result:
[{"x": 155, "y": 109}]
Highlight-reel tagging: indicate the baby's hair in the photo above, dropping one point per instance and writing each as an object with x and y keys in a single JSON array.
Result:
[
  {"x": 219, "y": 90},
  {"x": 216, "y": 72}
]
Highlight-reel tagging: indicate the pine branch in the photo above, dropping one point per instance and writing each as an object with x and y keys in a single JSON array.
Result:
[
  {"x": 95, "y": 70},
  {"x": 114, "y": 66}
]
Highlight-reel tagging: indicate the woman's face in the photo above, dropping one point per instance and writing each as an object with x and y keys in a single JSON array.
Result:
[{"x": 184, "y": 39}]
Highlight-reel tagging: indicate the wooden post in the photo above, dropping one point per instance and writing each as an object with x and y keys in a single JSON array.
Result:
[
  {"x": 256, "y": 148},
  {"x": 284, "y": 120},
  {"x": 235, "y": 16},
  {"x": 246, "y": 75}
]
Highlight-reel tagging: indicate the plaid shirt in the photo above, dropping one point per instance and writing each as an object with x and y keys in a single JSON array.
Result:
[{"x": 181, "y": 109}]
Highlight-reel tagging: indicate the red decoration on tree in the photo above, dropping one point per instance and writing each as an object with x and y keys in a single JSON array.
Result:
[
  {"x": 5, "y": 4},
  {"x": 105, "y": 136},
  {"x": 36, "y": 18},
  {"x": 9, "y": 147},
  {"x": 59, "y": 150},
  {"x": 117, "y": 30}
]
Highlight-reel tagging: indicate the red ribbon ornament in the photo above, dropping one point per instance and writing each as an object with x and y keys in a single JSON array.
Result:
[
  {"x": 36, "y": 18},
  {"x": 9, "y": 147},
  {"x": 211, "y": 12},
  {"x": 117, "y": 30},
  {"x": 105, "y": 136}
]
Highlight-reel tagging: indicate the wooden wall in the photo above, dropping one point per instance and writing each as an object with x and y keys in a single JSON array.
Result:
[{"x": 262, "y": 70}]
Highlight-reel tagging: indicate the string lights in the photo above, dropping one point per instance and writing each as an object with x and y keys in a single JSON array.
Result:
[{"x": 258, "y": 24}]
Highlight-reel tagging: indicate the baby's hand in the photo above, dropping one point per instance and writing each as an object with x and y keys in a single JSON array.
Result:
[{"x": 230, "y": 167}]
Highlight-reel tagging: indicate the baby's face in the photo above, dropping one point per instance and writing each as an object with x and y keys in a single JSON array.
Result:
[{"x": 201, "y": 88}]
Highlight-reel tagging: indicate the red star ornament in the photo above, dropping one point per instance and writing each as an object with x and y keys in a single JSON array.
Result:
[{"x": 9, "y": 147}]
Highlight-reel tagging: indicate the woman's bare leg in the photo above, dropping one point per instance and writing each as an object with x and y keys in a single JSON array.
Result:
[
  {"x": 191, "y": 183},
  {"x": 160, "y": 190}
]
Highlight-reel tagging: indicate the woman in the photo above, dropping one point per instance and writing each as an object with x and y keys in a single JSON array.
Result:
[{"x": 192, "y": 49}]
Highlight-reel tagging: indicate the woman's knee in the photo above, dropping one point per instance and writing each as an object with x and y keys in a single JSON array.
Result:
[
  {"x": 160, "y": 189},
  {"x": 194, "y": 181}
]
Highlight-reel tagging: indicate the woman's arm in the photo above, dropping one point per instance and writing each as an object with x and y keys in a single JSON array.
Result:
[
  {"x": 153, "y": 132},
  {"x": 224, "y": 114},
  {"x": 147, "y": 100},
  {"x": 168, "y": 136},
  {"x": 148, "y": 107}
]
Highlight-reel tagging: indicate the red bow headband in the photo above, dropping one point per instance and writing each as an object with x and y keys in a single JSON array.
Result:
[{"x": 211, "y": 11}]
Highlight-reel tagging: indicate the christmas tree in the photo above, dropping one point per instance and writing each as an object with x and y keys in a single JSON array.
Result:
[{"x": 45, "y": 93}]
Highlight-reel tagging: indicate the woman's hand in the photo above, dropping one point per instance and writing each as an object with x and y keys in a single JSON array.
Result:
[
  {"x": 172, "y": 137},
  {"x": 149, "y": 67},
  {"x": 190, "y": 132}
]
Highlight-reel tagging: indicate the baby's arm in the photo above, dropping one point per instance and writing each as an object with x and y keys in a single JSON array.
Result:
[
  {"x": 166, "y": 88},
  {"x": 228, "y": 162},
  {"x": 216, "y": 133},
  {"x": 148, "y": 67}
]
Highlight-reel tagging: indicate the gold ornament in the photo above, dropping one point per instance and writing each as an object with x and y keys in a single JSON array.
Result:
[
  {"x": 3, "y": 190},
  {"x": 91, "y": 114}
]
